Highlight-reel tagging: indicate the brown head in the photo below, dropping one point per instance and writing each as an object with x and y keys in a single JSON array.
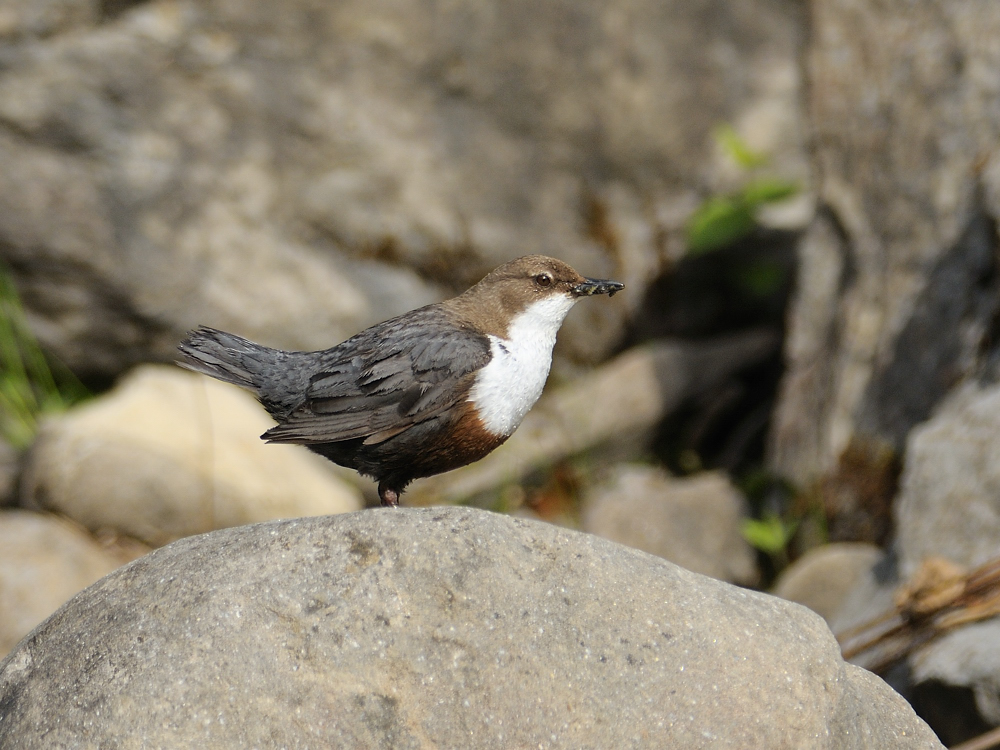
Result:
[{"x": 510, "y": 289}]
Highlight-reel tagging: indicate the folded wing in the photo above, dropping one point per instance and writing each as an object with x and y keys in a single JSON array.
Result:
[{"x": 385, "y": 380}]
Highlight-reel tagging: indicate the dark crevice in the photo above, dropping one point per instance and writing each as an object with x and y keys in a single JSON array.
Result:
[
  {"x": 745, "y": 286},
  {"x": 849, "y": 261},
  {"x": 109, "y": 10},
  {"x": 950, "y": 711},
  {"x": 942, "y": 340}
]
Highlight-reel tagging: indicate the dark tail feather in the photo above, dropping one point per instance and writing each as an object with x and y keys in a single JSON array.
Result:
[{"x": 226, "y": 357}]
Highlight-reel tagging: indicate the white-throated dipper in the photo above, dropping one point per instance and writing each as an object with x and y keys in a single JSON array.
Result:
[{"x": 426, "y": 392}]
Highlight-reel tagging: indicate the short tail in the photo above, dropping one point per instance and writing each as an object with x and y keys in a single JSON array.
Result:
[{"x": 226, "y": 357}]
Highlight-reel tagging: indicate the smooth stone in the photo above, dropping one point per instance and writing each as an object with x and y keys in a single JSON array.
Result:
[
  {"x": 694, "y": 522},
  {"x": 44, "y": 560},
  {"x": 823, "y": 577}
]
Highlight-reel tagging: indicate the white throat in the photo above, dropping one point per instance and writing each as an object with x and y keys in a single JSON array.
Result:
[{"x": 511, "y": 383}]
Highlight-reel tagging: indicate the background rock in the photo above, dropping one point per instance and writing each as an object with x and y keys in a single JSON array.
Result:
[
  {"x": 951, "y": 678},
  {"x": 168, "y": 454},
  {"x": 823, "y": 577},
  {"x": 897, "y": 302},
  {"x": 694, "y": 522},
  {"x": 964, "y": 658},
  {"x": 949, "y": 507},
  {"x": 297, "y": 172},
  {"x": 949, "y": 502},
  {"x": 447, "y": 627},
  {"x": 897, "y": 287},
  {"x": 43, "y": 562}
]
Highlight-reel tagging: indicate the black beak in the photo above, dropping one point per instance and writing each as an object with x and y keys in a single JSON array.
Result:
[{"x": 590, "y": 287}]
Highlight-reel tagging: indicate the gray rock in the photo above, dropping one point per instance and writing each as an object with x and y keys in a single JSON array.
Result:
[
  {"x": 694, "y": 522},
  {"x": 897, "y": 289},
  {"x": 168, "y": 454},
  {"x": 871, "y": 597},
  {"x": 444, "y": 627},
  {"x": 823, "y": 577},
  {"x": 43, "y": 562},
  {"x": 949, "y": 507},
  {"x": 265, "y": 167},
  {"x": 967, "y": 657},
  {"x": 948, "y": 504}
]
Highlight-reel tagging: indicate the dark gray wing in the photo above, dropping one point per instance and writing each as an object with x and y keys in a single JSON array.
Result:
[{"x": 386, "y": 379}]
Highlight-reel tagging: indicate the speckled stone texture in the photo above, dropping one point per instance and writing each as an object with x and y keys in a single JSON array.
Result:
[{"x": 438, "y": 627}]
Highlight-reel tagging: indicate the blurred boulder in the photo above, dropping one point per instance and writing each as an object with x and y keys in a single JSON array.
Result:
[
  {"x": 966, "y": 662},
  {"x": 43, "y": 561},
  {"x": 898, "y": 287},
  {"x": 693, "y": 522},
  {"x": 438, "y": 627},
  {"x": 872, "y": 595},
  {"x": 949, "y": 505},
  {"x": 168, "y": 454},
  {"x": 949, "y": 508},
  {"x": 943, "y": 661},
  {"x": 297, "y": 171},
  {"x": 823, "y": 577}
]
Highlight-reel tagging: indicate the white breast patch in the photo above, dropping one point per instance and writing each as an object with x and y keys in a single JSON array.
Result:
[{"x": 511, "y": 383}]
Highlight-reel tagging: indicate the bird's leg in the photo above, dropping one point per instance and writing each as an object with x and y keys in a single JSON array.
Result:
[{"x": 388, "y": 496}]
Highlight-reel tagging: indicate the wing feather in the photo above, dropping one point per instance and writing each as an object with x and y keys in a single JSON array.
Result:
[{"x": 385, "y": 380}]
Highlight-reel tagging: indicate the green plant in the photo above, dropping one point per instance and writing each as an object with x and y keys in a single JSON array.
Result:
[
  {"x": 722, "y": 219},
  {"x": 785, "y": 519},
  {"x": 30, "y": 384},
  {"x": 770, "y": 534}
]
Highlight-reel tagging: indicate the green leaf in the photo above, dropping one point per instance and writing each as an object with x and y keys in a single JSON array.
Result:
[
  {"x": 768, "y": 190},
  {"x": 737, "y": 149},
  {"x": 30, "y": 384},
  {"x": 769, "y": 534},
  {"x": 719, "y": 221}
]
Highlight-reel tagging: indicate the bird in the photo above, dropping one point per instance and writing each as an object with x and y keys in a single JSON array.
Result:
[{"x": 426, "y": 392}]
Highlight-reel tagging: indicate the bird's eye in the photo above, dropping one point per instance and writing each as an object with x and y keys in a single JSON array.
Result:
[{"x": 544, "y": 280}]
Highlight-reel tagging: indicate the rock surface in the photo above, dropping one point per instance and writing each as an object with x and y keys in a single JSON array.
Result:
[
  {"x": 948, "y": 507},
  {"x": 693, "y": 522},
  {"x": 898, "y": 288},
  {"x": 43, "y": 562},
  {"x": 948, "y": 504},
  {"x": 968, "y": 657},
  {"x": 169, "y": 454},
  {"x": 297, "y": 171},
  {"x": 442, "y": 627},
  {"x": 823, "y": 577}
]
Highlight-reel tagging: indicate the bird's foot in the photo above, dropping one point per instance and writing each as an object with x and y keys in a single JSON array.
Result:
[{"x": 388, "y": 496}]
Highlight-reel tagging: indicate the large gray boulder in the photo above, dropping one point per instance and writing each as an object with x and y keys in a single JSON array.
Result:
[{"x": 443, "y": 627}]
